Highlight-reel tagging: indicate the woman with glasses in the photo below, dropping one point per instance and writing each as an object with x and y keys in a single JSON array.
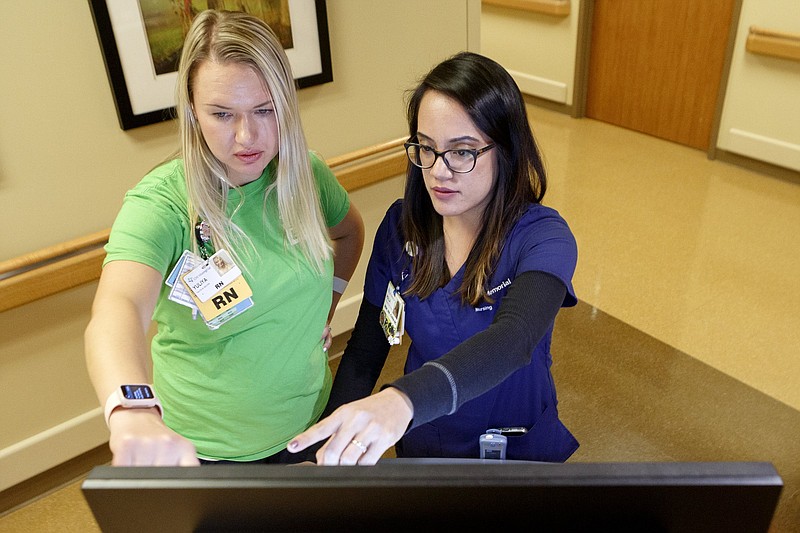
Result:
[{"x": 479, "y": 268}]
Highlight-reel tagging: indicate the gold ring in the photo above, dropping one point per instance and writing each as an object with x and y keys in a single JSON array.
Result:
[{"x": 360, "y": 445}]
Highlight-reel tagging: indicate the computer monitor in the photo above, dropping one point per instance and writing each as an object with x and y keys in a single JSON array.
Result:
[{"x": 430, "y": 494}]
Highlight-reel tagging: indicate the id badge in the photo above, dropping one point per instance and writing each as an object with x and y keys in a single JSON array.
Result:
[
  {"x": 217, "y": 288},
  {"x": 178, "y": 292},
  {"x": 393, "y": 315},
  {"x": 206, "y": 279}
]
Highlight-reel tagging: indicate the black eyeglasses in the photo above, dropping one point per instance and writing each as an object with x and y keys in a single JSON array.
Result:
[{"x": 459, "y": 160}]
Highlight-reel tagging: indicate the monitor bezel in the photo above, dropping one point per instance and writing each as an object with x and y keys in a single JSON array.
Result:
[{"x": 404, "y": 494}]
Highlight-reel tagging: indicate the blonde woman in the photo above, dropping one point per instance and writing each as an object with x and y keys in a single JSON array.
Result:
[{"x": 238, "y": 360}]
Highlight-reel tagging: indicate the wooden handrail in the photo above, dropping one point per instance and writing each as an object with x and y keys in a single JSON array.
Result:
[
  {"x": 775, "y": 33},
  {"x": 557, "y": 8},
  {"x": 364, "y": 153},
  {"x": 72, "y": 263},
  {"x": 773, "y": 43},
  {"x": 57, "y": 251}
]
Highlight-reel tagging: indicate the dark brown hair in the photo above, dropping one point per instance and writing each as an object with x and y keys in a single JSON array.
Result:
[{"x": 493, "y": 101}]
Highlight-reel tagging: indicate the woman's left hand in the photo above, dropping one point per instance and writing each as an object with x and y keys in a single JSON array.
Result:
[{"x": 359, "y": 431}]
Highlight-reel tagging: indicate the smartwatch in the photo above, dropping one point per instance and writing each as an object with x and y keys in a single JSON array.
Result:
[{"x": 139, "y": 396}]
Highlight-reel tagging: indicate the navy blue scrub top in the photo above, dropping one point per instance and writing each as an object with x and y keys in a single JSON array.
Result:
[{"x": 540, "y": 241}]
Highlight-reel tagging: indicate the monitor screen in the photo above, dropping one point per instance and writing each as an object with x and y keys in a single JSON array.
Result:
[{"x": 421, "y": 494}]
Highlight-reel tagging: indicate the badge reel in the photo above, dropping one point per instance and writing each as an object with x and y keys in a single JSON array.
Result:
[{"x": 493, "y": 444}]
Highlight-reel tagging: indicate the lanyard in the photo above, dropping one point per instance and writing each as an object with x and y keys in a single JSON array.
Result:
[{"x": 202, "y": 232}]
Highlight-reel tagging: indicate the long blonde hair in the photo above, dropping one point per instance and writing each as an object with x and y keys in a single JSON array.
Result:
[{"x": 236, "y": 37}]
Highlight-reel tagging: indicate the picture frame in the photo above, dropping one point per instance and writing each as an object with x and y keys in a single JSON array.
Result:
[{"x": 143, "y": 88}]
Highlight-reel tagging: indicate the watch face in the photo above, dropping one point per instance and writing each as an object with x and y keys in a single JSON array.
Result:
[{"x": 137, "y": 392}]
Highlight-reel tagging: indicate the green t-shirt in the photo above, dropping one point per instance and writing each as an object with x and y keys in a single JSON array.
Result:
[{"x": 242, "y": 391}]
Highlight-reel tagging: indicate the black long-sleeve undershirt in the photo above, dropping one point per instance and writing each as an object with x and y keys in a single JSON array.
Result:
[
  {"x": 440, "y": 386},
  {"x": 362, "y": 360}
]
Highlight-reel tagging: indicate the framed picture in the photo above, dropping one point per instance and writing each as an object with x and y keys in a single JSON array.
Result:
[{"x": 141, "y": 42}]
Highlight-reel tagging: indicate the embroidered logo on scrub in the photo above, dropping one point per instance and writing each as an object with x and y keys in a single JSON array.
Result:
[{"x": 502, "y": 285}]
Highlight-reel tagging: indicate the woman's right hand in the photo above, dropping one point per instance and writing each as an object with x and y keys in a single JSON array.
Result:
[
  {"x": 359, "y": 432},
  {"x": 140, "y": 438}
]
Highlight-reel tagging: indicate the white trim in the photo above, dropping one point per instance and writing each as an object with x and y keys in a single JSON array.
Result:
[
  {"x": 346, "y": 314},
  {"x": 764, "y": 148},
  {"x": 52, "y": 447},
  {"x": 541, "y": 87}
]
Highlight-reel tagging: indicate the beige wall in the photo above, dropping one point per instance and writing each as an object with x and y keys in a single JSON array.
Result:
[
  {"x": 65, "y": 164},
  {"x": 64, "y": 157},
  {"x": 761, "y": 107},
  {"x": 537, "y": 49},
  {"x": 761, "y": 113}
]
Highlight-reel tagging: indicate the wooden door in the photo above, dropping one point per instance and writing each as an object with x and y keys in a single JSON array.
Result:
[{"x": 655, "y": 66}]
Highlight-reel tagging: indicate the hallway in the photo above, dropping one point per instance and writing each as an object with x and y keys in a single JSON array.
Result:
[
  {"x": 684, "y": 345},
  {"x": 700, "y": 254}
]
